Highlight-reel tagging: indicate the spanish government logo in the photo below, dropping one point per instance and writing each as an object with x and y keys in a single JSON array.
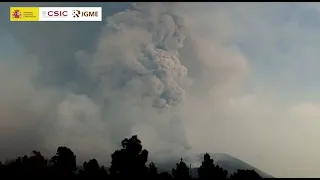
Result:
[
  {"x": 16, "y": 14},
  {"x": 24, "y": 13}
]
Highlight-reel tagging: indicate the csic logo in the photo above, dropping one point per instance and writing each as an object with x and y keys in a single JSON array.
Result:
[
  {"x": 78, "y": 13},
  {"x": 55, "y": 13},
  {"x": 16, "y": 14}
]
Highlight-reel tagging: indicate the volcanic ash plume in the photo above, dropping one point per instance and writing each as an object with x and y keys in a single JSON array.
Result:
[{"x": 138, "y": 55}]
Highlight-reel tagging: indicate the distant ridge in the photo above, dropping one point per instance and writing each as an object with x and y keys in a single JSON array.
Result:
[
  {"x": 231, "y": 164},
  {"x": 226, "y": 161}
]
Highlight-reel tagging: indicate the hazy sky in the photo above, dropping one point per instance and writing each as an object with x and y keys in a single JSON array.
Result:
[{"x": 252, "y": 87}]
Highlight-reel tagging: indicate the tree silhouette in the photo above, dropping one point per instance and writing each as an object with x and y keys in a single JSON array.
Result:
[
  {"x": 245, "y": 174},
  {"x": 35, "y": 165},
  {"x": 165, "y": 176},
  {"x": 130, "y": 160},
  {"x": 2, "y": 169},
  {"x": 181, "y": 171},
  {"x": 13, "y": 168},
  {"x": 93, "y": 170},
  {"x": 103, "y": 172},
  {"x": 152, "y": 171},
  {"x": 129, "y": 163},
  {"x": 208, "y": 170},
  {"x": 64, "y": 162}
]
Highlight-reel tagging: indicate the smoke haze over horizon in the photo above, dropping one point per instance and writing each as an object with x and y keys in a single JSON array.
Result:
[{"x": 187, "y": 78}]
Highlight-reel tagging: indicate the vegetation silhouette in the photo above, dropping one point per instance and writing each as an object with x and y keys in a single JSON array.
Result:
[
  {"x": 208, "y": 170},
  {"x": 247, "y": 174},
  {"x": 129, "y": 163},
  {"x": 64, "y": 162},
  {"x": 92, "y": 169},
  {"x": 182, "y": 171}
]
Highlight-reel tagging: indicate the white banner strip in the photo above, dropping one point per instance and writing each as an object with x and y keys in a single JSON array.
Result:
[{"x": 70, "y": 14}]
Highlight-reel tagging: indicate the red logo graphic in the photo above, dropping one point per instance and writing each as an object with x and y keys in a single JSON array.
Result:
[{"x": 16, "y": 14}]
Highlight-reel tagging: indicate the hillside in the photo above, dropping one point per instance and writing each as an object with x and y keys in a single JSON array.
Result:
[
  {"x": 232, "y": 164},
  {"x": 226, "y": 161}
]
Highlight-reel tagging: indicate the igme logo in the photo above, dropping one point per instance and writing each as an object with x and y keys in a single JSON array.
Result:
[{"x": 78, "y": 13}]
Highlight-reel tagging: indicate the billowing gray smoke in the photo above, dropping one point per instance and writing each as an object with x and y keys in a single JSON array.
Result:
[
  {"x": 139, "y": 55},
  {"x": 89, "y": 85},
  {"x": 93, "y": 85},
  {"x": 201, "y": 84}
]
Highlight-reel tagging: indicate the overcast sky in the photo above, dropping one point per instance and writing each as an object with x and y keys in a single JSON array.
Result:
[{"x": 251, "y": 90}]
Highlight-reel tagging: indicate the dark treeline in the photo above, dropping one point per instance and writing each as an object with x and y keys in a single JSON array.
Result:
[{"x": 128, "y": 163}]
